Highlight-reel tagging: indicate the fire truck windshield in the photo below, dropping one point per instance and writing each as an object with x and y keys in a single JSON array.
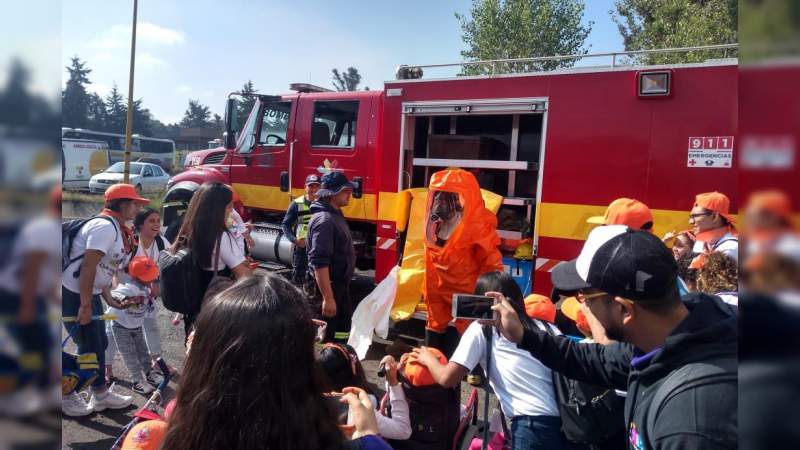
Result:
[{"x": 247, "y": 137}]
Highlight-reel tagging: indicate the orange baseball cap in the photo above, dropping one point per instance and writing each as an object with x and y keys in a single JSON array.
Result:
[
  {"x": 418, "y": 374},
  {"x": 147, "y": 435},
  {"x": 570, "y": 307},
  {"x": 624, "y": 211},
  {"x": 716, "y": 202},
  {"x": 123, "y": 191},
  {"x": 773, "y": 201},
  {"x": 143, "y": 268},
  {"x": 540, "y": 307}
]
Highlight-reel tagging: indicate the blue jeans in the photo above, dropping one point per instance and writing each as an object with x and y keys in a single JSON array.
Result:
[
  {"x": 90, "y": 338},
  {"x": 537, "y": 433}
]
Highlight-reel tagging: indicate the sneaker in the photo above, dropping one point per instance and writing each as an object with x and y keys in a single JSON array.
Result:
[
  {"x": 23, "y": 402},
  {"x": 73, "y": 405},
  {"x": 142, "y": 388},
  {"x": 153, "y": 377},
  {"x": 109, "y": 399}
]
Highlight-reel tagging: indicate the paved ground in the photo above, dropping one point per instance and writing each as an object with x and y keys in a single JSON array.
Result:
[{"x": 99, "y": 430}]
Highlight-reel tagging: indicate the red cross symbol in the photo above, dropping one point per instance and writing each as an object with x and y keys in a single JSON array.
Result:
[{"x": 692, "y": 162}]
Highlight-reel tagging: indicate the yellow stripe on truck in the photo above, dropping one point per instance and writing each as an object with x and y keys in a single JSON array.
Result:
[
  {"x": 568, "y": 221},
  {"x": 271, "y": 197}
]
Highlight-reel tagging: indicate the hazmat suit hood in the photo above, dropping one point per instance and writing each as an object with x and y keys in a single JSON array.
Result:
[{"x": 461, "y": 242}]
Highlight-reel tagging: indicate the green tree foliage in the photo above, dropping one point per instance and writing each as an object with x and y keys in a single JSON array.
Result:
[
  {"x": 116, "y": 111},
  {"x": 347, "y": 80},
  {"x": 197, "y": 115},
  {"x": 97, "y": 114},
  {"x": 246, "y": 102},
  {"x": 505, "y": 29},
  {"x": 655, "y": 24},
  {"x": 74, "y": 98}
]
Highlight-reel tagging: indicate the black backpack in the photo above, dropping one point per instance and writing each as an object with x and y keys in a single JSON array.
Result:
[
  {"x": 69, "y": 230},
  {"x": 590, "y": 414},
  {"x": 434, "y": 412},
  {"x": 178, "y": 275}
]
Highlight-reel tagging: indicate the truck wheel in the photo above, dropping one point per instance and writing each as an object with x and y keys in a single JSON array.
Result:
[{"x": 139, "y": 188}]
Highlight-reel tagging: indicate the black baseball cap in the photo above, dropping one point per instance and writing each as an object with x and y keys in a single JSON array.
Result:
[
  {"x": 627, "y": 263},
  {"x": 312, "y": 179},
  {"x": 333, "y": 183}
]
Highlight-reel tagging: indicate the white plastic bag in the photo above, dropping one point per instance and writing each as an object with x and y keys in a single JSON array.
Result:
[{"x": 372, "y": 315}]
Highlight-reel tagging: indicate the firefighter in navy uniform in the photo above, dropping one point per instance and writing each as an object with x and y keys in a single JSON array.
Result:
[{"x": 295, "y": 227}]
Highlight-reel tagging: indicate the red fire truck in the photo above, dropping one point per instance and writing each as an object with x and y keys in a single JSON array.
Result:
[{"x": 558, "y": 145}]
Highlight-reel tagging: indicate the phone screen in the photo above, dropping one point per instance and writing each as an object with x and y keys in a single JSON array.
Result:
[
  {"x": 340, "y": 409},
  {"x": 467, "y": 306}
]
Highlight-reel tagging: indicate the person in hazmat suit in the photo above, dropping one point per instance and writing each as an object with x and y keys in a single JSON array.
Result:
[{"x": 461, "y": 243}]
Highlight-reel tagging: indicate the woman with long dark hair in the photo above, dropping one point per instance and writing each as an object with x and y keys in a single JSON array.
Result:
[
  {"x": 523, "y": 385},
  {"x": 251, "y": 380},
  {"x": 205, "y": 229}
]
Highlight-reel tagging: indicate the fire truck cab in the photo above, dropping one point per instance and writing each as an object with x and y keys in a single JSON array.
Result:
[{"x": 558, "y": 146}]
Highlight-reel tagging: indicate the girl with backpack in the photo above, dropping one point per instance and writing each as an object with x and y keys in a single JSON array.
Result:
[
  {"x": 251, "y": 379},
  {"x": 342, "y": 368},
  {"x": 213, "y": 248}
]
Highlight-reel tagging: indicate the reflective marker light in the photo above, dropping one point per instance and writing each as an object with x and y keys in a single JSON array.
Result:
[{"x": 654, "y": 84}]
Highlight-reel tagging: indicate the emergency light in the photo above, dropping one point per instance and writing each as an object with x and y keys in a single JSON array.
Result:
[{"x": 654, "y": 83}]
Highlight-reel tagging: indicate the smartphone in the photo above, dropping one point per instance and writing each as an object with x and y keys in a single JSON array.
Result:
[
  {"x": 340, "y": 409},
  {"x": 468, "y": 306}
]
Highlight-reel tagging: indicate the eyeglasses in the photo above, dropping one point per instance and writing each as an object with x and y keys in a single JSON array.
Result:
[
  {"x": 582, "y": 297},
  {"x": 696, "y": 215}
]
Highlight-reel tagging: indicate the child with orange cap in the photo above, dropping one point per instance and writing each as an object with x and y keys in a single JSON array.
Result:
[{"x": 135, "y": 296}]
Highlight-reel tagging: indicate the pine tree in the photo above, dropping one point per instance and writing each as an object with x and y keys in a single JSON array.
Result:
[
  {"x": 74, "y": 98},
  {"x": 116, "y": 111},
  {"x": 97, "y": 115},
  {"x": 246, "y": 102}
]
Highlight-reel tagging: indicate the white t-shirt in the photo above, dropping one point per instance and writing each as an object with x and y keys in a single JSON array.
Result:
[
  {"x": 132, "y": 317},
  {"x": 37, "y": 236},
  {"x": 151, "y": 253},
  {"x": 230, "y": 254},
  {"x": 97, "y": 234},
  {"x": 523, "y": 385}
]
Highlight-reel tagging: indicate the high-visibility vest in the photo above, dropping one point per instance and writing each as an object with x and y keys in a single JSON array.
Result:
[{"x": 303, "y": 218}]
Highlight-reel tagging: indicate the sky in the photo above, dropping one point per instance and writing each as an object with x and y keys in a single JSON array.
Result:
[{"x": 204, "y": 49}]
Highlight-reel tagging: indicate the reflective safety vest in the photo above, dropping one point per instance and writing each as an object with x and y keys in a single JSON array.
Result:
[{"x": 303, "y": 218}]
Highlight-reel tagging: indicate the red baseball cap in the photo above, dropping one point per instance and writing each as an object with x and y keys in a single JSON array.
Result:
[
  {"x": 625, "y": 211},
  {"x": 143, "y": 268},
  {"x": 716, "y": 202},
  {"x": 124, "y": 191}
]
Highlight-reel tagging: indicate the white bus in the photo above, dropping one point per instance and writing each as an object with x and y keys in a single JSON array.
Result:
[
  {"x": 144, "y": 149},
  {"x": 82, "y": 159}
]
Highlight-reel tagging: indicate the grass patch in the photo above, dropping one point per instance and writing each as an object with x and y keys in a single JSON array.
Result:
[{"x": 82, "y": 197}]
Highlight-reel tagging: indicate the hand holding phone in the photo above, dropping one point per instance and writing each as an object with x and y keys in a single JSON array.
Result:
[{"x": 471, "y": 307}]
